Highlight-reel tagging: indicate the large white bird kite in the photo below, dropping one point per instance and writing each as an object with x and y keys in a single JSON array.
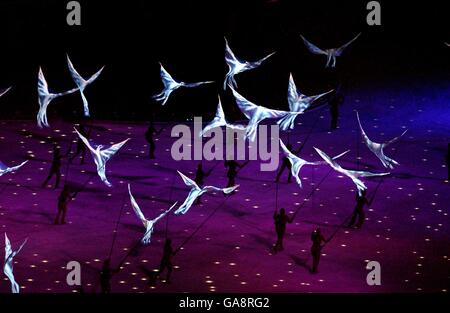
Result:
[
  {"x": 330, "y": 53},
  {"x": 353, "y": 175},
  {"x": 148, "y": 224},
  {"x": 235, "y": 66},
  {"x": 298, "y": 102},
  {"x": 297, "y": 163},
  {"x": 196, "y": 192},
  {"x": 8, "y": 266},
  {"x": 45, "y": 97},
  {"x": 256, "y": 114},
  {"x": 378, "y": 148},
  {"x": 101, "y": 155},
  {"x": 82, "y": 83},
  {"x": 170, "y": 85}
]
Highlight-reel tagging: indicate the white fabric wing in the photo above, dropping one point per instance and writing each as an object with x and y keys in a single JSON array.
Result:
[
  {"x": 377, "y": 148},
  {"x": 191, "y": 85},
  {"x": 188, "y": 182},
  {"x": 5, "y": 169},
  {"x": 8, "y": 266},
  {"x": 136, "y": 207},
  {"x": 218, "y": 121},
  {"x": 2, "y": 92},
  {"x": 189, "y": 201},
  {"x": 340, "y": 50},
  {"x": 82, "y": 83},
  {"x": 45, "y": 97},
  {"x": 109, "y": 152},
  {"x": 166, "y": 78},
  {"x": 312, "y": 48}
]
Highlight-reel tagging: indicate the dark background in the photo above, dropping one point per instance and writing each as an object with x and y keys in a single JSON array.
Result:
[{"x": 131, "y": 37}]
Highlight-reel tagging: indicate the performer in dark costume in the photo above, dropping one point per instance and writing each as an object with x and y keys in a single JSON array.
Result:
[
  {"x": 55, "y": 168},
  {"x": 166, "y": 260},
  {"x": 232, "y": 166},
  {"x": 358, "y": 212},
  {"x": 316, "y": 248},
  {"x": 63, "y": 200},
  {"x": 280, "y": 220},
  {"x": 149, "y": 134},
  {"x": 335, "y": 101},
  {"x": 106, "y": 275},
  {"x": 200, "y": 178},
  {"x": 286, "y": 164},
  {"x": 81, "y": 147}
]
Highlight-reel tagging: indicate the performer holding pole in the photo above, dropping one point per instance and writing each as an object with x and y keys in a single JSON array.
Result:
[
  {"x": 232, "y": 172},
  {"x": 336, "y": 100},
  {"x": 63, "y": 200},
  {"x": 105, "y": 276},
  {"x": 280, "y": 220},
  {"x": 317, "y": 238},
  {"x": 55, "y": 168},
  {"x": 286, "y": 164},
  {"x": 166, "y": 260},
  {"x": 81, "y": 147},
  {"x": 358, "y": 212},
  {"x": 149, "y": 137},
  {"x": 200, "y": 177}
]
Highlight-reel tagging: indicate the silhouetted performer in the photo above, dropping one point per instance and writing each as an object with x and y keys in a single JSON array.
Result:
[
  {"x": 286, "y": 164},
  {"x": 166, "y": 260},
  {"x": 200, "y": 178},
  {"x": 55, "y": 168},
  {"x": 358, "y": 212},
  {"x": 335, "y": 101},
  {"x": 63, "y": 200},
  {"x": 106, "y": 275},
  {"x": 280, "y": 220},
  {"x": 149, "y": 134},
  {"x": 81, "y": 147},
  {"x": 233, "y": 166},
  {"x": 448, "y": 160},
  {"x": 316, "y": 248}
]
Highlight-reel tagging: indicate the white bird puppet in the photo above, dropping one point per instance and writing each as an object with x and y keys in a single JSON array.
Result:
[
  {"x": 298, "y": 102},
  {"x": 45, "y": 97},
  {"x": 196, "y": 192},
  {"x": 353, "y": 175},
  {"x": 378, "y": 148},
  {"x": 330, "y": 53},
  {"x": 8, "y": 266},
  {"x": 219, "y": 121},
  {"x": 171, "y": 84},
  {"x": 297, "y": 163},
  {"x": 82, "y": 83},
  {"x": 4, "y": 169},
  {"x": 148, "y": 224},
  {"x": 256, "y": 114},
  {"x": 235, "y": 66},
  {"x": 101, "y": 155}
]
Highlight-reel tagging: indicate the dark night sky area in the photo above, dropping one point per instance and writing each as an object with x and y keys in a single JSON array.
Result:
[{"x": 131, "y": 37}]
